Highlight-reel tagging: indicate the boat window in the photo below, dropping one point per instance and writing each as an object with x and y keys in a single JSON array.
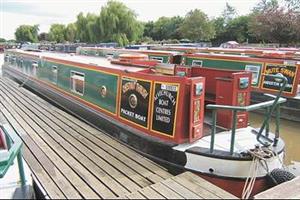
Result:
[
  {"x": 6, "y": 59},
  {"x": 54, "y": 74},
  {"x": 77, "y": 82},
  {"x": 34, "y": 68},
  {"x": 160, "y": 59},
  {"x": 197, "y": 63},
  {"x": 177, "y": 59}
]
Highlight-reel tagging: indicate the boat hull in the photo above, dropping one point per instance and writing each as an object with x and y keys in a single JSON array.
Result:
[{"x": 235, "y": 186}]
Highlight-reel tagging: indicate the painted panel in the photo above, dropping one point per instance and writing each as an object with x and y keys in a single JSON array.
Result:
[
  {"x": 289, "y": 72},
  {"x": 255, "y": 68},
  {"x": 135, "y": 100},
  {"x": 94, "y": 81},
  {"x": 164, "y": 108}
]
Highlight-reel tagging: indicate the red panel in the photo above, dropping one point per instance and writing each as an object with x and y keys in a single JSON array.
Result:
[
  {"x": 229, "y": 92},
  {"x": 196, "y": 113}
]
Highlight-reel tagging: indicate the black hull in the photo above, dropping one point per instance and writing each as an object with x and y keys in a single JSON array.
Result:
[
  {"x": 289, "y": 110},
  {"x": 161, "y": 152}
]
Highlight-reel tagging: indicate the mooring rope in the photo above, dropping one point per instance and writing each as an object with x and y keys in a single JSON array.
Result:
[{"x": 259, "y": 154}]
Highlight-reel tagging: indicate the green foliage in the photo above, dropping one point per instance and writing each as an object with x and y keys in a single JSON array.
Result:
[
  {"x": 70, "y": 33},
  {"x": 197, "y": 27},
  {"x": 228, "y": 13},
  {"x": 2, "y": 40},
  {"x": 27, "y": 33},
  {"x": 276, "y": 24},
  {"x": 57, "y": 33},
  {"x": 118, "y": 23},
  {"x": 166, "y": 28}
]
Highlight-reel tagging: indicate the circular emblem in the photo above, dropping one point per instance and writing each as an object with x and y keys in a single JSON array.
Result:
[
  {"x": 133, "y": 100},
  {"x": 103, "y": 91}
]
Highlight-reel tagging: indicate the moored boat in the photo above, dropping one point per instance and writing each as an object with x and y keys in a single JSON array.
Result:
[{"x": 159, "y": 110}]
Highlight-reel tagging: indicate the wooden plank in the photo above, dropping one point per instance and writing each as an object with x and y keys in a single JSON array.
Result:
[
  {"x": 180, "y": 189},
  {"x": 213, "y": 189},
  {"x": 149, "y": 193},
  {"x": 118, "y": 154},
  {"x": 94, "y": 151},
  {"x": 79, "y": 184},
  {"x": 135, "y": 195},
  {"x": 50, "y": 187},
  {"x": 57, "y": 142},
  {"x": 62, "y": 184},
  {"x": 63, "y": 135},
  {"x": 286, "y": 190},
  {"x": 165, "y": 191},
  {"x": 191, "y": 185}
]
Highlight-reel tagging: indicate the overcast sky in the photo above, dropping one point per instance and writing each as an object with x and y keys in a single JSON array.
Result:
[{"x": 46, "y": 12}]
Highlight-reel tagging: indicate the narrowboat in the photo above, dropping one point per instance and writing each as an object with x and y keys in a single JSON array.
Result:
[
  {"x": 168, "y": 57},
  {"x": 258, "y": 66},
  {"x": 187, "y": 118}
]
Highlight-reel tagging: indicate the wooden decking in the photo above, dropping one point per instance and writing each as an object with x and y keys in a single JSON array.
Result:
[
  {"x": 286, "y": 190},
  {"x": 71, "y": 159}
]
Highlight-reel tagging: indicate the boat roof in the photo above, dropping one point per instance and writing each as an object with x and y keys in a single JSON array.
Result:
[
  {"x": 87, "y": 60},
  {"x": 135, "y": 50}
]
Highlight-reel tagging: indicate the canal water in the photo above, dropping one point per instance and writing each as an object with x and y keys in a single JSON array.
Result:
[{"x": 290, "y": 131}]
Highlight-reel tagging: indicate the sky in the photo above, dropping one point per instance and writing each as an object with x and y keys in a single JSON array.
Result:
[{"x": 14, "y": 13}]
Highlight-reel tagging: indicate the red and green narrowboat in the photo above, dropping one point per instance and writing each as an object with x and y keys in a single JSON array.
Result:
[{"x": 187, "y": 118}]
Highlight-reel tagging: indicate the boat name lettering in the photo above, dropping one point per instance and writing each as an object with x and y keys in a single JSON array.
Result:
[
  {"x": 133, "y": 85},
  {"x": 133, "y": 115},
  {"x": 167, "y": 94},
  {"x": 283, "y": 71}
]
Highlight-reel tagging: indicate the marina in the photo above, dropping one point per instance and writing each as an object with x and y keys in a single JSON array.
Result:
[{"x": 168, "y": 101}]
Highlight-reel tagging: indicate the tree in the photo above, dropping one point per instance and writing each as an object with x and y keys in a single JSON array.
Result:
[
  {"x": 2, "y": 40},
  {"x": 43, "y": 36},
  {"x": 275, "y": 24},
  {"x": 57, "y": 33},
  {"x": 27, "y": 33},
  {"x": 196, "y": 26},
  {"x": 229, "y": 13},
  {"x": 149, "y": 29},
  {"x": 167, "y": 28},
  {"x": 70, "y": 32},
  {"x": 118, "y": 23},
  {"x": 81, "y": 33}
]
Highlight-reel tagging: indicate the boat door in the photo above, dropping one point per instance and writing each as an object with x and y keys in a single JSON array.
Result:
[{"x": 196, "y": 113}]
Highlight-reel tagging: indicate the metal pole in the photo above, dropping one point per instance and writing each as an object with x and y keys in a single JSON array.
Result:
[
  {"x": 268, "y": 124},
  {"x": 212, "y": 137},
  {"x": 233, "y": 131},
  {"x": 277, "y": 125},
  {"x": 21, "y": 169}
]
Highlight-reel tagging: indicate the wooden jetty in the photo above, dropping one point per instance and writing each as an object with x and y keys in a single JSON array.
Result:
[
  {"x": 286, "y": 190},
  {"x": 71, "y": 159}
]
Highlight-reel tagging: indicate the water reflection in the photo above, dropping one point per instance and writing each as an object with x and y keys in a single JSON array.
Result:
[{"x": 289, "y": 131}]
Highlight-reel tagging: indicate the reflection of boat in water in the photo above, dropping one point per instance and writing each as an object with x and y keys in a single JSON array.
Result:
[{"x": 159, "y": 109}]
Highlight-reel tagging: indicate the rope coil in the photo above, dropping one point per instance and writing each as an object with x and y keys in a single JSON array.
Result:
[{"x": 260, "y": 156}]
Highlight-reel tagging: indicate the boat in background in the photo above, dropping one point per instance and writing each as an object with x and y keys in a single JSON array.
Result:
[{"x": 186, "y": 117}]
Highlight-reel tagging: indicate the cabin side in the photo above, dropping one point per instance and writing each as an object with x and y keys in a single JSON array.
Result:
[{"x": 170, "y": 107}]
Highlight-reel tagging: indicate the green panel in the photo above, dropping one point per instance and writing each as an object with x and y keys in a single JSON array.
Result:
[
  {"x": 94, "y": 80},
  {"x": 164, "y": 57},
  {"x": 229, "y": 64}
]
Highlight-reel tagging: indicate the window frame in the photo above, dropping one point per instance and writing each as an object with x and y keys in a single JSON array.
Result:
[
  {"x": 72, "y": 73},
  {"x": 54, "y": 74},
  {"x": 196, "y": 65}
]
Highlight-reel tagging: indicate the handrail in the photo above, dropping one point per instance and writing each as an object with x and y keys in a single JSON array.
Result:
[
  {"x": 270, "y": 105},
  {"x": 14, "y": 144}
]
